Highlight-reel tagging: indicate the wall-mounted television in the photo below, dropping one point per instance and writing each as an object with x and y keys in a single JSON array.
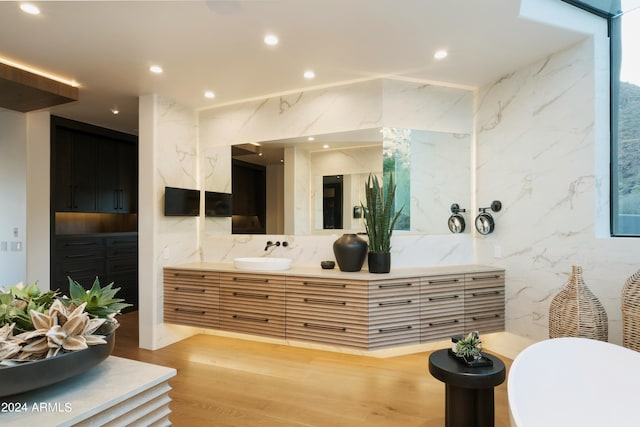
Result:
[
  {"x": 181, "y": 202},
  {"x": 217, "y": 204}
]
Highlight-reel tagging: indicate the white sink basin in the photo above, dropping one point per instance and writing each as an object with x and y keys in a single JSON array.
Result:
[{"x": 262, "y": 263}]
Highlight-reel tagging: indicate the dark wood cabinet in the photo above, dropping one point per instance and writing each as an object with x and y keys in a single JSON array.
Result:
[
  {"x": 110, "y": 257},
  {"x": 117, "y": 176},
  {"x": 93, "y": 169},
  {"x": 94, "y": 193},
  {"x": 75, "y": 171}
]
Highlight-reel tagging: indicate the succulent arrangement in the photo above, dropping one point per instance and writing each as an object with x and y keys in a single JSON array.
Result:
[
  {"x": 469, "y": 347},
  {"x": 36, "y": 325}
]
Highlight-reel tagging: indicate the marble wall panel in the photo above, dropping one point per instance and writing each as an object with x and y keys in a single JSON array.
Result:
[{"x": 536, "y": 150}]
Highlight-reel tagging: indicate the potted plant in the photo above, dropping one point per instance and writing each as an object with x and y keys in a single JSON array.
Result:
[
  {"x": 379, "y": 221},
  {"x": 46, "y": 337}
]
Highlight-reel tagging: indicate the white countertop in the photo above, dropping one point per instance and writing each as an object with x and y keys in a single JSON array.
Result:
[
  {"x": 309, "y": 271},
  {"x": 108, "y": 385},
  {"x": 574, "y": 382}
]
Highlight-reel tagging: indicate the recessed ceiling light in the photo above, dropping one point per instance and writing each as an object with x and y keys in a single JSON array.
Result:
[
  {"x": 209, "y": 94},
  {"x": 30, "y": 9},
  {"x": 311, "y": 139},
  {"x": 440, "y": 54},
  {"x": 115, "y": 111},
  {"x": 271, "y": 40},
  {"x": 155, "y": 69},
  {"x": 325, "y": 146},
  {"x": 309, "y": 74}
]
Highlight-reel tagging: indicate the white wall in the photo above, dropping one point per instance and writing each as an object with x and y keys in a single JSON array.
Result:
[
  {"x": 541, "y": 138},
  {"x": 13, "y": 191},
  {"x": 168, "y": 144}
]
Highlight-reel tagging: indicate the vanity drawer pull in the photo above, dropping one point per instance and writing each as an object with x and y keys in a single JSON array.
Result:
[
  {"x": 395, "y": 329},
  {"x": 324, "y": 285},
  {"x": 387, "y": 304},
  {"x": 189, "y": 290},
  {"x": 197, "y": 276},
  {"x": 71, "y": 244},
  {"x": 186, "y": 310},
  {"x": 325, "y": 328},
  {"x": 250, "y": 280},
  {"x": 441, "y": 281},
  {"x": 444, "y": 322},
  {"x": 446, "y": 297},
  {"x": 484, "y": 294},
  {"x": 248, "y": 295},
  {"x": 250, "y": 318},
  {"x": 496, "y": 276},
  {"x": 490, "y": 316},
  {"x": 324, "y": 301},
  {"x": 396, "y": 285}
]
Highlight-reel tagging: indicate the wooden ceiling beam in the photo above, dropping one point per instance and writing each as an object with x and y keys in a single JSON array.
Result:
[{"x": 23, "y": 91}]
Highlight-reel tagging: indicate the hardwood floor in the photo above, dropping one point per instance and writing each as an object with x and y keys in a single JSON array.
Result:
[{"x": 231, "y": 382}]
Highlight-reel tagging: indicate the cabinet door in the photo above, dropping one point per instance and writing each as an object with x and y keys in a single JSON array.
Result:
[
  {"x": 117, "y": 176},
  {"x": 108, "y": 195},
  {"x": 128, "y": 177},
  {"x": 78, "y": 257},
  {"x": 62, "y": 170},
  {"x": 484, "y": 302},
  {"x": 442, "y": 306},
  {"x": 252, "y": 303},
  {"x": 394, "y": 312},
  {"x": 191, "y": 297},
  {"x": 84, "y": 167}
]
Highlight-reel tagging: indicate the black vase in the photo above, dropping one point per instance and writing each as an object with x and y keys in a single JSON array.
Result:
[
  {"x": 379, "y": 262},
  {"x": 350, "y": 251}
]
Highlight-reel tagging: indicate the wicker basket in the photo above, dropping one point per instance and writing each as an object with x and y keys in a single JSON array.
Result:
[
  {"x": 631, "y": 312},
  {"x": 576, "y": 312}
]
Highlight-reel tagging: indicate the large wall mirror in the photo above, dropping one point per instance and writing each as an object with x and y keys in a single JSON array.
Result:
[{"x": 315, "y": 185}]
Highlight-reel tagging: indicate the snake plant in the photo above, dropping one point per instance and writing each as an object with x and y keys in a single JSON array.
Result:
[{"x": 379, "y": 219}]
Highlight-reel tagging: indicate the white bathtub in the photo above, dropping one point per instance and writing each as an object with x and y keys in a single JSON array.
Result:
[{"x": 574, "y": 382}]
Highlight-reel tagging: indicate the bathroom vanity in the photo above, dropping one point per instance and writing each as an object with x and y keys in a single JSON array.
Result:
[{"x": 359, "y": 310}]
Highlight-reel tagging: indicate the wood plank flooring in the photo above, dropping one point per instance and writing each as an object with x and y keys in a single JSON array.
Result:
[{"x": 230, "y": 382}]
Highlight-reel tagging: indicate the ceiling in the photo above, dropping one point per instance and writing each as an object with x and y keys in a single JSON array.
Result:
[{"x": 108, "y": 47}]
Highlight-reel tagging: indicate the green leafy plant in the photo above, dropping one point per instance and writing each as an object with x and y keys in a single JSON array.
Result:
[
  {"x": 17, "y": 303},
  {"x": 100, "y": 300},
  {"x": 469, "y": 347},
  {"x": 379, "y": 219},
  {"x": 35, "y": 325}
]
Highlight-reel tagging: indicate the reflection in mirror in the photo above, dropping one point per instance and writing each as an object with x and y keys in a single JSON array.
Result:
[{"x": 431, "y": 170}]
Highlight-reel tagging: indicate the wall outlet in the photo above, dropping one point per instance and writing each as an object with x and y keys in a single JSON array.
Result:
[
  {"x": 165, "y": 252},
  {"x": 497, "y": 251}
]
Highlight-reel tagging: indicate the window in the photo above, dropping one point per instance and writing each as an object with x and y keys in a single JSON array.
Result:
[
  {"x": 624, "y": 28},
  {"x": 625, "y": 124}
]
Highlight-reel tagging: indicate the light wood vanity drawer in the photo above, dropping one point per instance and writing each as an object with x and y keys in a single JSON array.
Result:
[
  {"x": 256, "y": 281},
  {"x": 326, "y": 331},
  {"x": 442, "y": 327},
  {"x": 394, "y": 288},
  {"x": 202, "y": 317},
  {"x": 252, "y": 322},
  {"x": 193, "y": 277},
  {"x": 390, "y": 334},
  {"x": 327, "y": 287}
]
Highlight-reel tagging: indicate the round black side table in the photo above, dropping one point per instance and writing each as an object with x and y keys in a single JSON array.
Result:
[{"x": 469, "y": 391}]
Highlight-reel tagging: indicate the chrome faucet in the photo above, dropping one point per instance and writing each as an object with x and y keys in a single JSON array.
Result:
[{"x": 270, "y": 243}]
